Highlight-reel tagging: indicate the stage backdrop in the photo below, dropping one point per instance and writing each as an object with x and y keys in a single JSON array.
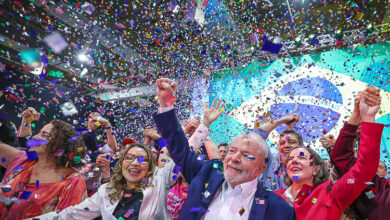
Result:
[{"x": 323, "y": 84}]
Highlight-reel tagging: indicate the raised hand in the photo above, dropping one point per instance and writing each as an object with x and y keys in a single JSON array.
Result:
[
  {"x": 327, "y": 141},
  {"x": 290, "y": 120},
  {"x": 372, "y": 96},
  {"x": 367, "y": 112},
  {"x": 30, "y": 115},
  {"x": 166, "y": 92},
  {"x": 103, "y": 121},
  {"x": 152, "y": 133},
  {"x": 104, "y": 164},
  {"x": 265, "y": 119},
  {"x": 211, "y": 114}
]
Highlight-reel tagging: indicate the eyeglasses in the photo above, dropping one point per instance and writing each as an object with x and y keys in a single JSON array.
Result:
[{"x": 143, "y": 160}]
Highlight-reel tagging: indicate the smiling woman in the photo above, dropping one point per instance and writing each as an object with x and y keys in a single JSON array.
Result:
[
  {"x": 311, "y": 193},
  {"x": 137, "y": 190},
  {"x": 42, "y": 179}
]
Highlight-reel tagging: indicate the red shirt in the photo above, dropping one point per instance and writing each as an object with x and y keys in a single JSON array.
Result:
[{"x": 328, "y": 201}]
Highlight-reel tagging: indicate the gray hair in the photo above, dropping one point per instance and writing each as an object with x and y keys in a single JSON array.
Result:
[{"x": 263, "y": 146}]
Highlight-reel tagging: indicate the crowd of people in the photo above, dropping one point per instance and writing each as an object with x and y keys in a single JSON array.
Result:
[{"x": 181, "y": 173}]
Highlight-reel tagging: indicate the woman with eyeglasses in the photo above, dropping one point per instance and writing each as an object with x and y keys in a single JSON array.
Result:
[
  {"x": 310, "y": 191},
  {"x": 42, "y": 179},
  {"x": 137, "y": 190}
]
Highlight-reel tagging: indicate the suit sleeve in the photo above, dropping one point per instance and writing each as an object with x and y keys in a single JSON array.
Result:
[
  {"x": 178, "y": 147},
  {"x": 353, "y": 182},
  {"x": 342, "y": 154}
]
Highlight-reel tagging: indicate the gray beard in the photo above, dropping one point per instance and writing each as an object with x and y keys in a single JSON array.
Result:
[{"x": 239, "y": 178}]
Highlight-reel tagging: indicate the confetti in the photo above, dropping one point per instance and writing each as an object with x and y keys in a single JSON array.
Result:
[
  {"x": 128, "y": 213},
  {"x": 176, "y": 169},
  {"x": 25, "y": 195},
  {"x": 35, "y": 142},
  {"x": 162, "y": 143},
  {"x": 370, "y": 194},
  {"x": 241, "y": 211},
  {"x": 195, "y": 209},
  {"x": 56, "y": 42},
  {"x": 59, "y": 152},
  {"x": 140, "y": 159},
  {"x": 32, "y": 155},
  {"x": 73, "y": 138}
]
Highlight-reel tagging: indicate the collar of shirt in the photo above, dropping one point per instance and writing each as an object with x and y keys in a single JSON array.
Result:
[
  {"x": 289, "y": 196},
  {"x": 245, "y": 188}
]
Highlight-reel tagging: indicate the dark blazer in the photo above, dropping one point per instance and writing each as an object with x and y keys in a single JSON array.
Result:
[{"x": 208, "y": 176}]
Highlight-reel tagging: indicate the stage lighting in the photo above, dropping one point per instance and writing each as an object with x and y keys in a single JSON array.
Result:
[
  {"x": 68, "y": 109},
  {"x": 313, "y": 39},
  {"x": 82, "y": 57},
  {"x": 298, "y": 41},
  {"x": 369, "y": 29},
  {"x": 339, "y": 35}
]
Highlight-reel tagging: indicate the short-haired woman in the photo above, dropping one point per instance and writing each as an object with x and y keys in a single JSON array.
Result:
[{"x": 312, "y": 195}]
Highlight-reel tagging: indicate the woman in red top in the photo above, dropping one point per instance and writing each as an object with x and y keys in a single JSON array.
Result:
[
  {"x": 312, "y": 195},
  {"x": 42, "y": 179}
]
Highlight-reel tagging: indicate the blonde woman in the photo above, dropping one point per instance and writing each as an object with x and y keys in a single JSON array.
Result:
[{"x": 137, "y": 190}]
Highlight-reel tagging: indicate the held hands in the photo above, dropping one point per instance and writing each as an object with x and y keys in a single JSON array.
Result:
[
  {"x": 372, "y": 98},
  {"x": 212, "y": 113},
  {"x": 367, "y": 112},
  {"x": 327, "y": 141},
  {"x": 166, "y": 92},
  {"x": 94, "y": 118}
]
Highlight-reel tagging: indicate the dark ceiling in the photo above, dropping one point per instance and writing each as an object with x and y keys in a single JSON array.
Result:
[{"x": 131, "y": 43}]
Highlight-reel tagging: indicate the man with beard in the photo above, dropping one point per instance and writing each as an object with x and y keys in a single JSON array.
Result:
[{"x": 219, "y": 190}]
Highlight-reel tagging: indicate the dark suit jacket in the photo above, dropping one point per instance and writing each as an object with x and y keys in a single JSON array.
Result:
[{"x": 208, "y": 176}]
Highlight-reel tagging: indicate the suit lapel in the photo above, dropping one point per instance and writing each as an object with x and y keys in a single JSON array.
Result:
[{"x": 259, "y": 204}]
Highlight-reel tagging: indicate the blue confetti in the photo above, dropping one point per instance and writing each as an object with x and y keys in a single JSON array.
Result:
[
  {"x": 196, "y": 209},
  {"x": 25, "y": 195},
  {"x": 140, "y": 159},
  {"x": 162, "y": 143},
  {"x": 73, "y": 138},
  {"x": 32, "y": 155},
  {"x": 176, "y": 169},
  {"x": 36, "y": 142}
]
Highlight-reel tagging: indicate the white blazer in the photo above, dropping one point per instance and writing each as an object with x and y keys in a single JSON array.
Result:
[{"x": 152, "y": 207}]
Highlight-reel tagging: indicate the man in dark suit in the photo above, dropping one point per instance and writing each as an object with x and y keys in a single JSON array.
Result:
[{"x": 219, "y": 190}]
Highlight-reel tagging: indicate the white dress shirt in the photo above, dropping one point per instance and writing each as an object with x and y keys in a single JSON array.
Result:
[{"x": 231, "y": 203}]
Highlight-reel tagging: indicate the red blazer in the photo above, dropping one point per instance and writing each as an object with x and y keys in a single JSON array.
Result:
[
  {"x": 328, "y": 200},
  {"x": 343, "y": 159}
]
